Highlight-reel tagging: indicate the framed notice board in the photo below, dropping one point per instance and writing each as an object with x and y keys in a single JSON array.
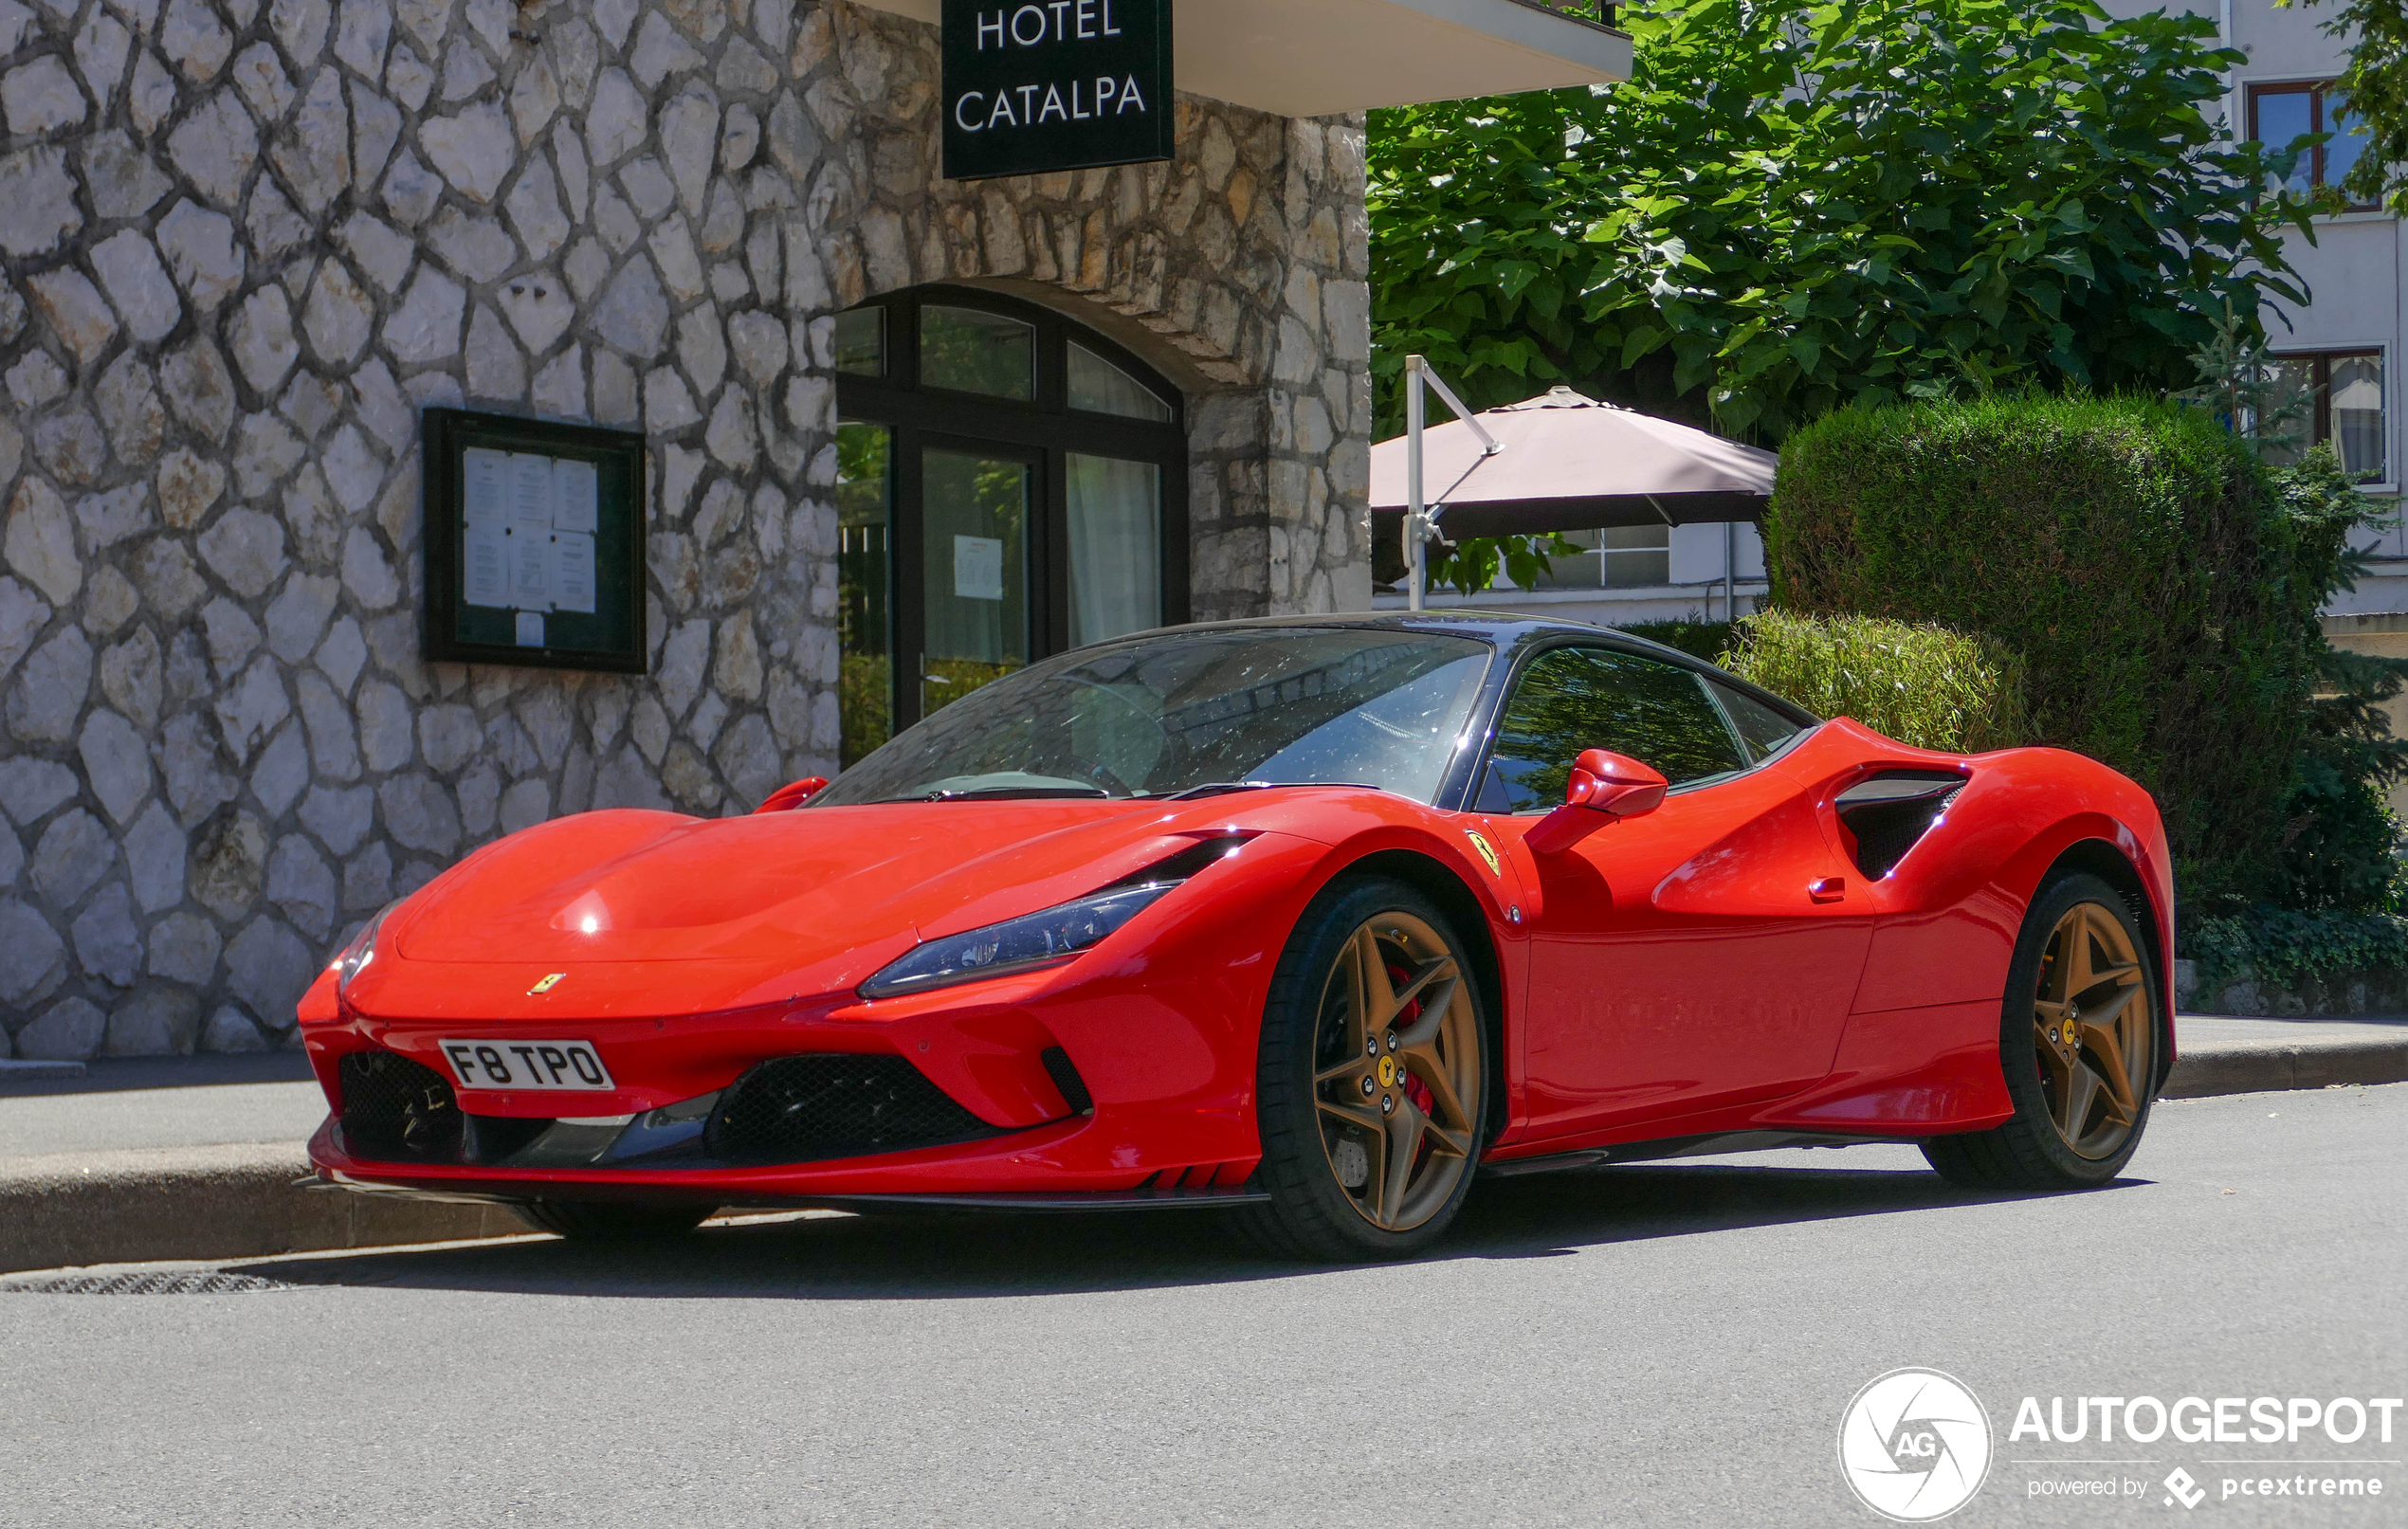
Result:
[{"x": 535, "y": 543}]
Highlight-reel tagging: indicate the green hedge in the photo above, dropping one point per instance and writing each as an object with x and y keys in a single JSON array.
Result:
[
  {"x": 2287, "y": 947},
  {"x": 1919, "y": 683},
  {"x": 2135, "y": 556},
  {"x": 1699, "y": 639}
]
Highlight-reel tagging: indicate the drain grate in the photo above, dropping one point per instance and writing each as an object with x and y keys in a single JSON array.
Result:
[{"x": 189, "y": 1282}]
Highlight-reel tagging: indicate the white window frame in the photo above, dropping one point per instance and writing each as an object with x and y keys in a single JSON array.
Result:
[{"x": 2389, "y": 486}]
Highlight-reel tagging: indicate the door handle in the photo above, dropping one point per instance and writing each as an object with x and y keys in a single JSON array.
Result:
[{"x": 1828, "y": 888}]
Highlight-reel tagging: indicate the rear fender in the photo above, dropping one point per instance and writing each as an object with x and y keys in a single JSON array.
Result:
[
  {"x": 2106, "y": 846},
  {"x": 1949, "y": 913}
]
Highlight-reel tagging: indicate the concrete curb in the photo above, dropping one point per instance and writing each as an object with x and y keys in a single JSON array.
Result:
[
  {"x": 2267, "y": 1066},
  {"x": 239, "y": 1201},
  {"x": 204, "y": 1202}
]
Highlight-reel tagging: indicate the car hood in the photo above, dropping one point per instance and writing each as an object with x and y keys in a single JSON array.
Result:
[{"x": 827, "y": 896}]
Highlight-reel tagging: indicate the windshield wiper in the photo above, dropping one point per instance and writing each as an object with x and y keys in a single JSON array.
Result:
[
  {"x": 1009, "y": 794},
  {"x": 1223, "y": 788}
]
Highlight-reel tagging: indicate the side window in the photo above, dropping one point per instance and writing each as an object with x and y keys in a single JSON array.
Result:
[
  {"x": 1572, "y": 698},
  {"x": 1761, "y": 728}
]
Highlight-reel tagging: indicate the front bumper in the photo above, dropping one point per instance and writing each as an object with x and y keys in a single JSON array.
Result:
[
  {"x": 1160, "y": 1025},
  {"x": 1169, "y": 1078}
]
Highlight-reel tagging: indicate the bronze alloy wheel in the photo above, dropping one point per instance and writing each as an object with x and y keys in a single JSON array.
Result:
[
  {"x": 2081, "y": 1044},
  {"x": 1396, "y": 1071},
  {"x": 2092, "y": 1030}
]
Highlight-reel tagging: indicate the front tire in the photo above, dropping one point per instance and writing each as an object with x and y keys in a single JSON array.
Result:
[
  {"x": 1372, "y": 1085},
  {"x": 2080, "y": 1039},
  {"x": 600, "y": 1220}
]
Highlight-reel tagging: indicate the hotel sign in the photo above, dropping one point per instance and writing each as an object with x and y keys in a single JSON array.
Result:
[{"x": 1032, "y": 86}]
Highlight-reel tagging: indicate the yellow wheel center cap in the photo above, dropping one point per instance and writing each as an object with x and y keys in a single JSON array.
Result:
[
  {"x": 2070, "y": 1032},
  {"x": 1387, "y": 1072}
]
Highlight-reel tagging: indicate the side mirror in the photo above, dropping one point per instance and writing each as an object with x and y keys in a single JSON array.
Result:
[
  {"x": 1603, "y": 787},
  {"x": 785, "y": 798}
]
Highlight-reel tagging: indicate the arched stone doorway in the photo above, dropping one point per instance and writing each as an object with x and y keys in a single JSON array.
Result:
[
  {"x": 1011, "y": 485},
  {"x": 1238, "y": 273}
]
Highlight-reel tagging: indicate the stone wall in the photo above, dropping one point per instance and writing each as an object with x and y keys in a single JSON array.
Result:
[{"x": 243, "y": 241}]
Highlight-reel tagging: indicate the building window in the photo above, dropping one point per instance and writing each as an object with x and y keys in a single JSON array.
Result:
[
  {"x": 1625, "y": 558},
  {"x": 2279, "y": 114},
  {"x": 2343, "y": 394},
  {"x": 969, "y": 350},
  {"x": 1100, "y": 388},
  {"x": 1010, "y": 486},
  {"x": 861, "y": 342}
]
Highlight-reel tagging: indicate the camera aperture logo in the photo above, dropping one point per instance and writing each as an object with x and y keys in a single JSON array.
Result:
[{"x": 1915, "y": 1445}]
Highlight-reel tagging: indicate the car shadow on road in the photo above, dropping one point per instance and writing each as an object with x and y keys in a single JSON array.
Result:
[{"x": 903, "y": 1257}]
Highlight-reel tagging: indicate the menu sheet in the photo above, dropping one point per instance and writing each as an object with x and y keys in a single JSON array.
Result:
[{"x": 529, "y": 524}]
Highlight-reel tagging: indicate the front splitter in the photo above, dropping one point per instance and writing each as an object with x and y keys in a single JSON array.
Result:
[{"x": 518, "y": 1191}]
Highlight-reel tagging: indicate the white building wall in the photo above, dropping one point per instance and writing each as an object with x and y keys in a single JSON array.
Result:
[
  {"x": 1695, "y": 588},
  {"x": 2354, "y": 270}
]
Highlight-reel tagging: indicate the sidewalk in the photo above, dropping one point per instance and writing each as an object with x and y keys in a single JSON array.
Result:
[
  {"x": 145, "y": 1159},
  {"x": 140, "y": 1160},
  {"x": 2215, "y": 1054},
  {"x": 161, "y": 1102}
]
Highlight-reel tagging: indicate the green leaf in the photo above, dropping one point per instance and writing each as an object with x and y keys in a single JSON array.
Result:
[{"x": 1794, "y": 203}]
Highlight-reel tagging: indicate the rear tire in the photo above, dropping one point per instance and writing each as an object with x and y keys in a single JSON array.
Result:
[
  {"x": 2081, "y": 1035},
  {"x": 1373, "y": 1080},
  {"x": 601, "y": 1221}
]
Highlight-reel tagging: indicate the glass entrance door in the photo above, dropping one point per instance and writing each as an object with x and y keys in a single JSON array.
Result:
[
  {"x": 864, "y": 587},
  {"x": 1116, "y": 547},
  {"x": 1009, "y": 485},
  {"x": 974, "y": 558}
]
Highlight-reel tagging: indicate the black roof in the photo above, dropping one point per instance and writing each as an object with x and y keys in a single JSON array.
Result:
[
  {"x": 1510, "y": 630},
  {"x": 1505, "y": 627}
]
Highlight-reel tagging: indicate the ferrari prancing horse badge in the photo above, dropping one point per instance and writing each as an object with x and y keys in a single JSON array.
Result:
[{"x": 1488, "y": 851}]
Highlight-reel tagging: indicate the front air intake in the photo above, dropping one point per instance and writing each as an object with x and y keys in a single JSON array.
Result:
[
  {"x": 805, "y": 1109},
  {"x": 396, "y": 1110}
]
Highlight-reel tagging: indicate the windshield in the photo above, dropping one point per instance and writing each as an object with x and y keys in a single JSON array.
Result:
[{"x": 1173, "y": 713}]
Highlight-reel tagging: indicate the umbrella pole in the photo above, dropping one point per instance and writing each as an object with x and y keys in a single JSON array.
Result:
[
  {"x": 1417, "y": 528},
  {"x": 1730, "y": 572},
  {"x": 1420, "y": 523}
]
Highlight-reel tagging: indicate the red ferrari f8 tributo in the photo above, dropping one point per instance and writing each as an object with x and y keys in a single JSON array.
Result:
[{"x": 1324, "y": 920}]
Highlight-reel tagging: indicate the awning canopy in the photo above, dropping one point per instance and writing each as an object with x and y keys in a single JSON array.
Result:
[
  {"x": 1572, "y": 463},
  {"x": 1309, "y": 57}
]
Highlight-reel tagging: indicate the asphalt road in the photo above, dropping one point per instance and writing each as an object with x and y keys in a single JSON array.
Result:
[{"x": 1646, "y": 1345}]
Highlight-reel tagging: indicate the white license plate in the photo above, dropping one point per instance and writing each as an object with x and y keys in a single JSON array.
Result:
[{"x": 563, "y": 1066}]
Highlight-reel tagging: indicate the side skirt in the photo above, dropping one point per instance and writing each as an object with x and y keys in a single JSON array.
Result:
[{"x": 1711, "y": 1144}]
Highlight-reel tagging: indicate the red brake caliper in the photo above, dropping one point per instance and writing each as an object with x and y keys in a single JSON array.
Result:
[{"x": 1414, "y": 1088}]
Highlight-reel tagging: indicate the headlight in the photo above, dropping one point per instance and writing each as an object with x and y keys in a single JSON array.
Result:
[
  {"x": 362, "y": 950},
  {"x": 1020, "y": 944}
]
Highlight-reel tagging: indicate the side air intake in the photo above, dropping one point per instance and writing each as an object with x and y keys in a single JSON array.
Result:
[
  {"x": 1890, "y": 812},
  {"x": 1066, "y": 1077}
]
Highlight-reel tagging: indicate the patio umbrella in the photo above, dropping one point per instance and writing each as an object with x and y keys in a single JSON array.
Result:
[{"x": 1568, "y": 463}]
